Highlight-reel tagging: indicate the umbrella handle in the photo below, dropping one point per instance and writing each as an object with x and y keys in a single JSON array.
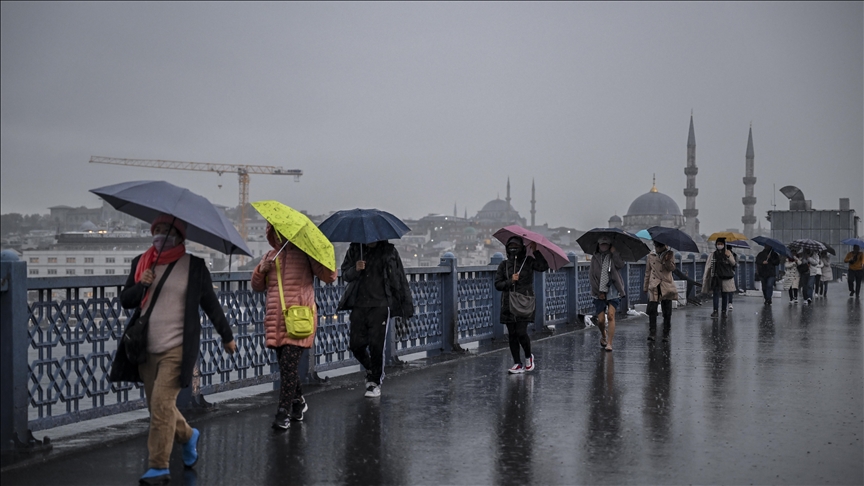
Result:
[{"x": 280, "y": 251}]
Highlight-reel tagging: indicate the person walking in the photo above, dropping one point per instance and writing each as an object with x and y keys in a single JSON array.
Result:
[
  {"x": 607, "y": 288},
  {"x": 719, "y": 275},
  {"x": 183, "y": 284},
  {"x": 791, "y": 278},
  {"x": 827, "y": 274},
  {"x": 297, "y": 271},
  {"x": 766, "y": 270},
  {"x": 855, "y": 259},
  {"x": 660, "y": 288},
  {"x": 377, "y": 291},
  {"x": 516, "y": 275},
  {"x": 814, "y": 269}
]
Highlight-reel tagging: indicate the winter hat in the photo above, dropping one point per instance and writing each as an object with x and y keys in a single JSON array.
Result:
[
  {"x": 720, "y": 240},
  {"x": 515, "y": 239},
  {"x": 178, "y": 224}
]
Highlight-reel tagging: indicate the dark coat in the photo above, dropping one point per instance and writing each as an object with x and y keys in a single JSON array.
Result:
[
  {"x": 395, "y": 282},
  {"x": 199, "y": 293},
  {"x": 594, "y": 274},
  {"x": 769, "y": 270},
  {"x": 525, "y": 285}
]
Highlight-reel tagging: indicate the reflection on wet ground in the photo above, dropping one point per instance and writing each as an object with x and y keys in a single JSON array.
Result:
[{"x": 768, "y": 395}]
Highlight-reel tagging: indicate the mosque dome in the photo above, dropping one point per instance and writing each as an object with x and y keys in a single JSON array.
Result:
[
  {"x": 615, "y": 219},
  {"x": 654, "y": 203},
  {"x": 497, "y": 205}
]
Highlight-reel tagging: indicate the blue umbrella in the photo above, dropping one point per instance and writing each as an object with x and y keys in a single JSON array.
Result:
[
  {"x": 644, "y": 234},
  {"x": 628, "y": 245},
  {"x": 673, "y": 238},
  {"x": 775, "y": 245},
  {"x": 363, "y": 226},
  {"x": 853, "y": 242},
  {"x": 737, "y": 244},
  {"x": 147, "y": 200}
]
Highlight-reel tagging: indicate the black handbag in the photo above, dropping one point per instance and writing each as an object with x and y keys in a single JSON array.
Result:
[
  {"x": 521, "y": 305},
  {"x": 134, "y": 340}
]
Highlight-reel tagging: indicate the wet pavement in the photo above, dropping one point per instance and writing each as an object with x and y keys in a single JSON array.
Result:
[{"x": 770, "y": 395}]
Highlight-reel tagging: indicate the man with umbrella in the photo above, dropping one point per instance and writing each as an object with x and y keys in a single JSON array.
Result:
[
  {"x": 607, "y": 288},
  {"x": 377, "y": 291},
  {"x": 855, "y": 259},
  {"x": 766, "y": 271},
  {"x": 660, "y": 288}
]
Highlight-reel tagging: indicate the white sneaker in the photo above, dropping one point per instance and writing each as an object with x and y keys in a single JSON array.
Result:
[
  {"x": 373, "y": 391},
  {"x": 730, "y": 308},
  {"x": 516, "y": 369},
  {"x": 530, "y": 365},
  {"x": 795, "y": 301}
]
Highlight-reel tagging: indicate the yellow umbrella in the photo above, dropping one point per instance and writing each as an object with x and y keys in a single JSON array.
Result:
[
  {"x": 299, "y": 230},
  {"x": 729, "y": 235}
]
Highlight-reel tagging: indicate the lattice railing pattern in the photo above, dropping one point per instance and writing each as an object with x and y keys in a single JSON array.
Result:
[
  {"x": 586, "y": 304},
  {"x": 424, "y": 331},
  {"x": 475, "y": 299},
  {"x": 555, "y": 297},
  {"x": 635, "y": 281},
  {"x": 331, "y": 339}
]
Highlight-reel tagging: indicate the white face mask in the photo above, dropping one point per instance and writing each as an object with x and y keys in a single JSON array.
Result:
[
  {"x": 720, "y": 247},
  {"x": 164, "y": 242}
]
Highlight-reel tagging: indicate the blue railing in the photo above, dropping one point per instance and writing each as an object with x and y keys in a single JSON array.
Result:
[{"x": 73, "y": 325}]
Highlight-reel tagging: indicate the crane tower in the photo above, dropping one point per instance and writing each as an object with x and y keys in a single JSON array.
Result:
[{"x": 242, "y": 171}]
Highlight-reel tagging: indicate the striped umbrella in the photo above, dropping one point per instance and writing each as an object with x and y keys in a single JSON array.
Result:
[{"x": 805, "y": 244}]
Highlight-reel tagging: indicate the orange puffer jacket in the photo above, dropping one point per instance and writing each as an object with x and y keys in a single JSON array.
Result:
[{"x": 298, "y": 272}]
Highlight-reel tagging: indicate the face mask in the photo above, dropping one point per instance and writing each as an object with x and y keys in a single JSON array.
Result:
[
  {"x": 164, "y": 242},
  {"x": 513, "y": 251},
  {"x": 720, "y": 247}
]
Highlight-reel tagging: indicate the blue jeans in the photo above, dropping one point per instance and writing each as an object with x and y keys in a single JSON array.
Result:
[
  {"x": 768, "y": 287},
  {"x": 810, "y": 282}
]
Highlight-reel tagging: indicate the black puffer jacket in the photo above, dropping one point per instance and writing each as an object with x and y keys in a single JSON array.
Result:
[
  {"x": 394, "y": 280},
  {"x": 525, "y": 285}
]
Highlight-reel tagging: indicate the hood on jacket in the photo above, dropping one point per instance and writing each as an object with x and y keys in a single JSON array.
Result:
[{"x": 275, "y": 238}]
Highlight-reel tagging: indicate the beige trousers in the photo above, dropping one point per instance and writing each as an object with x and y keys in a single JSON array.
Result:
[{"x": 161, "y": 375}]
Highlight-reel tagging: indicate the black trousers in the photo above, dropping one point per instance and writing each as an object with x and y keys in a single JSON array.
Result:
[
  {"x": 855, "y": 277},
  {"x": 289, "y": 384},
  {"x": 517, "y": 333},
  {"x": 368, "y": 338}
]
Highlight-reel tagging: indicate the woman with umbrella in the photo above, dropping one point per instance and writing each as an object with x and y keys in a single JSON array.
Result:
[
  {"x": 719, "y": 274},
  {"x": 766, "y": 269},
  {"x": 827, "y": 274},
  {"x": 814, "y": 263},
  {"x": 516, "y": 275},
  {"x": 173, "y": 336},
  {"x": 660, "y": 288},
  {"x": 297, "y": 271}
]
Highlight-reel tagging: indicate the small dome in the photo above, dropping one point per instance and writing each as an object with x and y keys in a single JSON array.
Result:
[
  {"x": 615, "y": 219},
  {"x": 654, "y": 203},
  {"x": 469, "y": 231}
]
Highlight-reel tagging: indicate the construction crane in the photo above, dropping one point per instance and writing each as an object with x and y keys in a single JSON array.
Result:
[{"x": 242, "y": 171}]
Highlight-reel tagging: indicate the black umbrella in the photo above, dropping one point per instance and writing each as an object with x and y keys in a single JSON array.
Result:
[
  {"x": 147, "y": 200},
  {"x": 628, "y": 245},
  {"x": 673, "y": 238},
  {"x": 829, "y": 249},
  {"x": 775, "y": 245},
  {"x": 363, "y": 226}
]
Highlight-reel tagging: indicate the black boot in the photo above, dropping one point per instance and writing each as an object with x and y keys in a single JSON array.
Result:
[
  {"x": 667, "y": 327},
  {"x": 652, "y": 320}
]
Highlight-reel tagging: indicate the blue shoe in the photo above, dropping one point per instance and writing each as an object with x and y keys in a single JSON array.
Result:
[
  {"x": 155, "y": 476},
  {"x": 190, "y": 449}
]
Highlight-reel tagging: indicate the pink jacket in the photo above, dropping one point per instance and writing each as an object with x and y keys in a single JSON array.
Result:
[{"x": 298, "y": 272}]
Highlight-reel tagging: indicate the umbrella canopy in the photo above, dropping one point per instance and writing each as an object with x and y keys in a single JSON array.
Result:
[
  {"x": 628, "y": 245},
  {"x": 673, "y": 238},
  {"x": 147, "y": 200},
  {"x": 775, "y": 245},
  {"x": 805, "y": 244},
  {"x": 554, "y": 255},
  {"x": 829, "y": 248},
  {"x": 644, "y": 234},
  {"x": 737, "y": 244},
  {"x": 363, "y": 226},
  {"x": 853, "y": 242},
  {"x": 300, "y": 230},
  {"x": 728, "y": 235}
]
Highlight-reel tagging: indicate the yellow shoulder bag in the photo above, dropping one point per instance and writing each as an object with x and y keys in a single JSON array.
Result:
[{"x": 299, "y": 321}]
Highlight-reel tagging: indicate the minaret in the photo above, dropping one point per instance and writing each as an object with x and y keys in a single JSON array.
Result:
[
  {"x": 691, "y": 226},
  {"x": 749, "y": 199},
  {"x": 533, "y": 210},
  {"x": 508, "y": 192},
  {"x": 454, "y": 210}
]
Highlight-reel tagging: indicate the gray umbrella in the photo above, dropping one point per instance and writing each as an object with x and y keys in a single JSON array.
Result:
[{"x": 147, "y": 200}]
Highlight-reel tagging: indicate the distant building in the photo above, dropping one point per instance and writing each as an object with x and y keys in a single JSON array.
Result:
[
  {"x": 826, "y": 225},
  {"x": 651, "y": 209}
]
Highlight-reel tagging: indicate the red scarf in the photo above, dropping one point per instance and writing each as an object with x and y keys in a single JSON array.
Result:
[{"x": 148, "y": 260}]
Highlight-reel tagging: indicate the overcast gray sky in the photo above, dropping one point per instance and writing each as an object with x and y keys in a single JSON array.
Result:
[{"x": 410, "y": 107}]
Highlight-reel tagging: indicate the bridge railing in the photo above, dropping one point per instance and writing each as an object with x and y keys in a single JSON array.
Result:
[{"x": 61, "y": 333}]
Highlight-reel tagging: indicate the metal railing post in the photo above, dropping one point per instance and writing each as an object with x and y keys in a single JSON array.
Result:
[
  {"x": 540, "y": 301},
  {"x": 14, "y": 344},
  {"x": 572, "y": 289},
  {"x": 449, "y": 302},
  {"x": 497, "y": 328}
]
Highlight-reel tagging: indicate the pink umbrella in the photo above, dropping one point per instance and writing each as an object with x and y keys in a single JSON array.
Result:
[{"x": 555, "y": 256}]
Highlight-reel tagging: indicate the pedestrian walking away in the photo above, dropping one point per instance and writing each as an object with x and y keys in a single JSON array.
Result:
[
  {"x": 377, "y": 292},
  {"x": 791, "y": 279},
  {"x": 660, "y": 288},
  {"x": 297, "y": 271},
  {"x": 515, "y": 275},
  {"x": 607, "y": 288},
  {"x": 766, "y": 271},
  {"x": 814, "y": 269},
  {"x": 172, "y": 337},
  {"x": 719, "y": 276},
  {"x": 827, "y": 274},
  {"x": 855, "y": 259}
]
